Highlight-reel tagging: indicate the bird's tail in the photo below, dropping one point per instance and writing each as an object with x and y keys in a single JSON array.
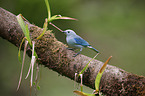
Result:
[{"x": 93, "y": 49}]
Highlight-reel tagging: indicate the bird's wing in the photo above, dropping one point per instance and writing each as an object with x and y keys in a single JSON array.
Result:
[{"x": 81, "y": 41}]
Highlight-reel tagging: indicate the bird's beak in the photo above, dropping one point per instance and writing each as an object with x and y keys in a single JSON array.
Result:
[{"x": 63, "y": 31}]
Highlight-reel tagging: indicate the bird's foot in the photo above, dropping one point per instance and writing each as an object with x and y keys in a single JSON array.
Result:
[
  {"x": 70, "y": 49},
  {"x": 76, "y": 54}
]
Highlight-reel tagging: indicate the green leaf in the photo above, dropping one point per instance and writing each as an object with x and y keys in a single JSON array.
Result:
[
  {"x": 35, "y": 54},
  {"x": 99, "y": 75},
  {"x": 88, "y": 64},
  {"x": 64, "y": 17},
  {"x": 38, "y": 87},
  {"x": 21, "y": 23},
  {"x": 52, "y": 18},
  {"x": 82, "y": 93},
  {"x": 44, "y": 29},
  {"x": 34, "y": 83},
  {"x": 19, "y": 52},
  {"x": 57, "y": 17},
  {"x": 27, "y": 35},
  {"x": 48, "y": 9},
  {"x": 24, "y": 28}
]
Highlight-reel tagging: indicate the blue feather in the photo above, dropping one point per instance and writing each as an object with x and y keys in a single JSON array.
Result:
[{"x": 81, "y": 41}]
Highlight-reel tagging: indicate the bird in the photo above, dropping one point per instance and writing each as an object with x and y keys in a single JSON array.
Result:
[{"x": 75, "y": 41}]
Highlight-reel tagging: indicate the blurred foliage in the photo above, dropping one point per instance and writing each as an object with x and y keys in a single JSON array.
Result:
[{"x": 114, "y": 27}]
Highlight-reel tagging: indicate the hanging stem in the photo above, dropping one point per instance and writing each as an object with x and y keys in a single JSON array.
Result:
[{"x": 55, "y": 26}]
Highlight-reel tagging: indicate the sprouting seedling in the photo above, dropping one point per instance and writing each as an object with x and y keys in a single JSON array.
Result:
[
  {"x": 99, "y": 75},
  {"x": 52, "y": 18},
  {"x": 97, "y": 81},
  {"x": 28, "y": 41},
  {"x": 82, "y": 71}
]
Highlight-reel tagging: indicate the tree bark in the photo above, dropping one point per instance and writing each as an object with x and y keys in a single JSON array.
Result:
[{"x": 54, "y": 55}]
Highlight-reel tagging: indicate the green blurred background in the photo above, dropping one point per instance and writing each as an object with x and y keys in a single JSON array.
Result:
[{"x": 114, "y": 27}]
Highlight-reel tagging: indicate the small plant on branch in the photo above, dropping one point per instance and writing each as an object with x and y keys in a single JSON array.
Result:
[
  {"x": 97, "y": 82},
  {"x": 31, "y": 43},
  {"x": 50, "y": 18}
]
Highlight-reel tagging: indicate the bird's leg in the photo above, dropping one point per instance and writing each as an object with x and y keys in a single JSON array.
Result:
[
  {"x": 70, "y": 49},
  {"x": 78, "y": 52}
]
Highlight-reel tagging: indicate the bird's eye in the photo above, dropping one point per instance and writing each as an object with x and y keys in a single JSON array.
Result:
[{"x": 68, "y": 31}]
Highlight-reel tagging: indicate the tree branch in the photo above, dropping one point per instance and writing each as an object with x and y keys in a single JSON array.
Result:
[{"x": 54, "y": 55}]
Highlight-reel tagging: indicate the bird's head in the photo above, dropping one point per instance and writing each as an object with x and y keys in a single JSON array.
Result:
[{"x": 69, "y": 32}]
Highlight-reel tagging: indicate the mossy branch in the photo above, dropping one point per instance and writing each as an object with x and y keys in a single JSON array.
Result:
[{"x": 54, "y": 55}]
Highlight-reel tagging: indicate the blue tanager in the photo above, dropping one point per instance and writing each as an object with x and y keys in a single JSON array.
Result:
[{"x": 76, "y": 41}]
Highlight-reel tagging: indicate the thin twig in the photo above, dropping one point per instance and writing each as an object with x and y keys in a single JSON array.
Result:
[{"x": 55, "y": 26}]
